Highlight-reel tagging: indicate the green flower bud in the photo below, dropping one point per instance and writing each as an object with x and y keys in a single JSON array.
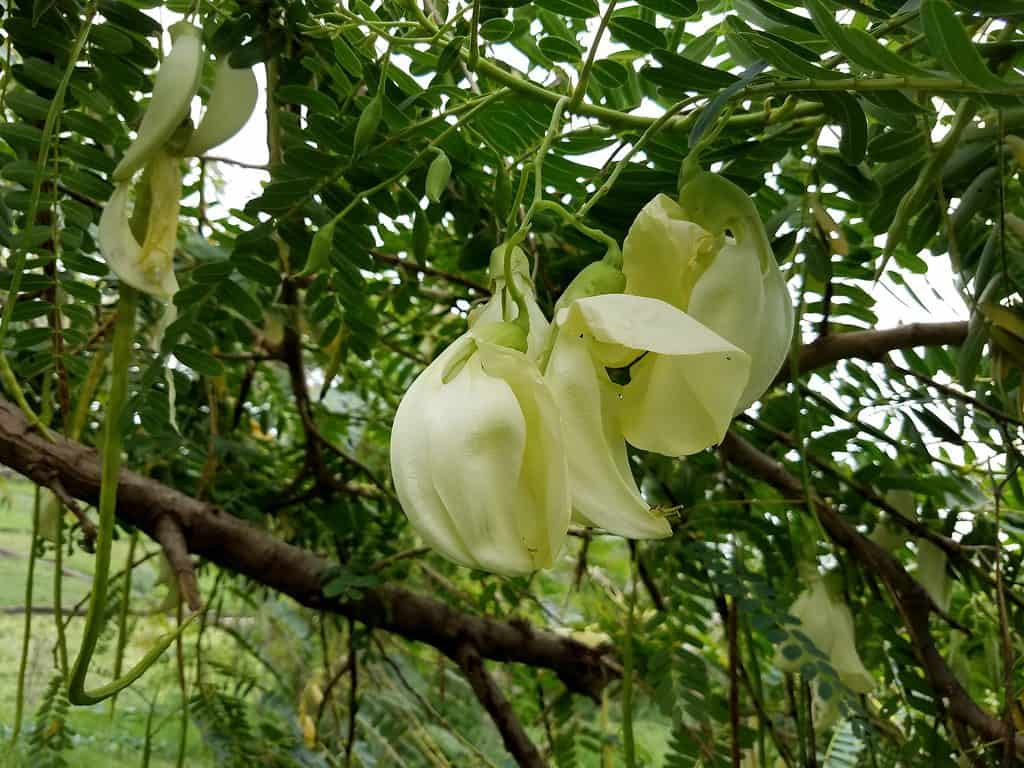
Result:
[
  {"x": 593, "y": 280},
  {"x": 502, "y": 334},
  {"x": 368, "y": 123},
  {"x": 437, "y": 176}
]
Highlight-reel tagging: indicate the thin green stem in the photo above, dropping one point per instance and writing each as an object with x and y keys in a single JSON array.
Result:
[
  {"x": 652, "y": 130},
  {"x": 19, "y": 701},
  {"x": 58, "y": 596},
  {"x": 628, "y": 743},
  {"x": 122, "y": 619},
  {"x": 588, "y": 65},
  {"x": 124, "y": 331}
]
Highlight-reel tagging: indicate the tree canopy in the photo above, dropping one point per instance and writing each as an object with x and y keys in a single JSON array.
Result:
[{"x": 218, "y": 362}]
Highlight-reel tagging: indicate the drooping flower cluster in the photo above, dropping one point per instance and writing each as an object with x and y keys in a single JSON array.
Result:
[
  {"x": 519, "y": 426},
  {"x": 138, "y": 241}
]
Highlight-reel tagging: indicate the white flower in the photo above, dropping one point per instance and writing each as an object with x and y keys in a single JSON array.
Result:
[
  {"x": 477, "y": 456},
  {"x": 828, "y": 623},
  {"x": 147, "y": 266},
  {"x": 931, "y": 573},
  {"x": 685, "y": 378},
  {"x": 709, "y": 256}
]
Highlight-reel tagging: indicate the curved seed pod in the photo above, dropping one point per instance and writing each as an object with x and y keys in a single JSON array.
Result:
[
  {"x": 175, "y": 85},
  {"x": 231, "y": 103}
]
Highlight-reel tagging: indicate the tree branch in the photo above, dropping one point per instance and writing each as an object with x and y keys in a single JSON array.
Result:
[
  {"x": 517, "y": 742},
  {"x": 910, "y": 598},
  {"x": 874, "y": 344},
  {"x": 243, "y": 548}
]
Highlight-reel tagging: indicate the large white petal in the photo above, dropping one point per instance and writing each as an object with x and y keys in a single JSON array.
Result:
[
  {"x": 176, "y": 83},
  {"x": 147, "y": 267},
  {"x": 231, "y": 103},
  {"x": 663, "y": 253},
  {"x": 771, "y": 348},
  {"x": 604, "y": 492},
  {"x": 728, "y": 297},
  {"x": 477, "y": 435},
  {"x": 410, "y": 462},
  {"x": 682, "y": 394},
  {"x": 544, "y": 518},
  {"x": 844, "y": 657}
]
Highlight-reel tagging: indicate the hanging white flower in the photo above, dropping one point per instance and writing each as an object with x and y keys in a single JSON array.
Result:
[
  {"x": 665, "y": 347},
  {"x": 478, "y": 458},
  {"x": 709, "y": 256},
  {"x": 827, "y": 622}
]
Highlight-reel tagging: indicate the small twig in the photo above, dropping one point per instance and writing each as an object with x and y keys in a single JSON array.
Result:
[
  {"x": 69, "y": 501},
  {"x": 353, "y": 693},
  {"x": 172, "y": 540}
]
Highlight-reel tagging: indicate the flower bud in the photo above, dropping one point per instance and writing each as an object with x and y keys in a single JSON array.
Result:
[
  {"x": 594, "y": 279},
  {"x": 368, "y": 123},
  {"x": 501, "y": 306},
  {"x": 438, "y": 173},
  {"x": 478, "y": 458}
]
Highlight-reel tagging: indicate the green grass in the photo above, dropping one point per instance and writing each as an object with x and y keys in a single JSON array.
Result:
[{"x": 100, "y": 741}]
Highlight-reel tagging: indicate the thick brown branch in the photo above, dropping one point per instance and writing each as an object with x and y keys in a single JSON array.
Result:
[
  {"x": 873, "y": 345},
  {"x": 517, "y": 742},
  {"x": 910, "y": 598},
  {"x": 172, "y": 541},
  {"x": 241, "y": 547}
]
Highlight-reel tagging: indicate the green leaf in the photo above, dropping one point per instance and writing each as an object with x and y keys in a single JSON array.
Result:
[
  {"x": 679, "y": 75},
  {"x": 559, "y": 49},
  {"x": 846, "y": 109},
  {"x": 198, "y": 360},
  {"x": 857, "y": 45},
  {"x": 496, "y": 30},
  {"x": 610, "y": 73},
  {"x": 784, "y": 60},
  {"x": 950, "y": 43},
  {"x": 679, "y": 9},
  {"x": 574, "y": 9},
  {"x": 636, "y": 33},
  {"x": 311, "y": 97}
]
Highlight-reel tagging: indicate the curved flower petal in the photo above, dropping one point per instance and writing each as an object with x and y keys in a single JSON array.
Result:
[
  {"x": 544, "y": 484},
  {"x": 231, "y": 103},
  {"x": 478, "y": 459},
  {"x": 604, "y": 492},
  {"x": 147, "y": 267},
  {"x": 682, "y": 394},
  {"x": 931, "y": 572},
  {"x": 410, "y": 462},
  {"x": 844, "y": 657},
  {"x": 663, "y": 253},
  {"x": 477, "y": 437},
  {"x": 770, "y": 349},
  {"x": 728, "y": 294},
  {"x": 176, "y": 83}
]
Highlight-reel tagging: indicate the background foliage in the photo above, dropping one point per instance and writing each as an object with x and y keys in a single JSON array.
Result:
[{"x": 873, "y": 139}]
